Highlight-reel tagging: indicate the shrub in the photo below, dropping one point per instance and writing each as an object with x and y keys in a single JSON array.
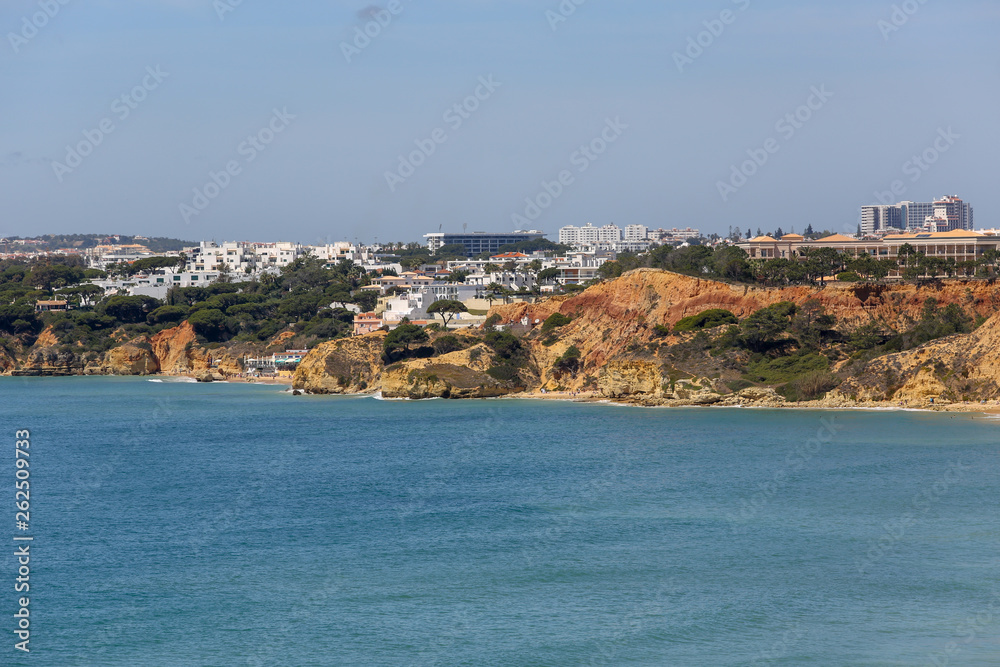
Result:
[
  {"x": 661, "y": 331},
  {"x": 786, "y": 369},
  {"x": 707, "y": 319},
  {"x": 554, "y": 321},
  {"x": 569, "y": 361},
  {"x": 809, "y": 387},
  {"x": 446, "y": 344},
  {"x": 503, "y": 372},
  {"x": 848, "y": 277},
  {"x": 737, "y": 385},
  {"x": 505, "y": 344}
]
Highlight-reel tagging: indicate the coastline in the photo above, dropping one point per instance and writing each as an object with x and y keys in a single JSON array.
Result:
[
  {"x": 986, "y": 408},
  {"x": 990, "y": 408}
]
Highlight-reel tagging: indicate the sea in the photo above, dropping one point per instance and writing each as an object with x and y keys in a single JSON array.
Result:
[{"x": 179, "y": 523}]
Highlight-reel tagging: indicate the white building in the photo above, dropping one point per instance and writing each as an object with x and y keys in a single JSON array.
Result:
[
  {"x": 156, "y": 283},
  {"x": 881, "y": 218},
  {"x": 636, "y": 233},
  {"x": 242, "y": 257},
  {"x": 945, "y": 214},
  {"x": 590, "y": 235}
]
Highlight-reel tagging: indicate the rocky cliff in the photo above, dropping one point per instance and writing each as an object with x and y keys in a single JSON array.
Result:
[
  {"x": 346, "y": 366},
  {"x": 173, "y": 351},
  {"x": 957, "y": 368},
  {"x": 614, "y": 321},
  {"x": 459, "y": 374},
  {"x": 178, "y": 352},
  {"x": 129, "y": 359}
]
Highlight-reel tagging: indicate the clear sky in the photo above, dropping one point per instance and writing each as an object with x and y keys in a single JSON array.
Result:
[{"x": 664, "y": 120}]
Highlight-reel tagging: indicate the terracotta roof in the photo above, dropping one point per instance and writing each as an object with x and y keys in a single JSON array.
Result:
[
  {"x": 953, "y": 234},
  {"x": 837, "y": 238},
  {"x": 762, "y": 239},
  {"x": 792, "y": 237}
]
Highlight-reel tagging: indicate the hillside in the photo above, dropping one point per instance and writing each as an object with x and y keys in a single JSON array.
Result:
[
  {"x": 616, "y": 340},
  {"x": 650, "y": 336}
]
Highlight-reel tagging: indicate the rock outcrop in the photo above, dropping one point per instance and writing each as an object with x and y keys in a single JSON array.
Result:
[
  {"x": 631, "y": 378},
  {"x": 178, "y": 353},
  {"x": 459, "y": 374},
  {"x": 613, "y": 322},
  {"x": 345, "y": 366},
  {"x": 130, "y": 359},
  {"x": 956, "y": 368}
]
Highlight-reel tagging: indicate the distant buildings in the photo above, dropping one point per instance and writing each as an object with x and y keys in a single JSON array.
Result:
[
  {"x": 956, "y": 245},
  {"x": 588, "y": 235},
  {"x": 634, "y": 238},
  {"x": 480, "y": 242},
  {"x": 943, "y": 215}
]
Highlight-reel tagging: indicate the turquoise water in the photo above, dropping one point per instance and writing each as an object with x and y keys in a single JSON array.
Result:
[{"x": 190, "y": 524}]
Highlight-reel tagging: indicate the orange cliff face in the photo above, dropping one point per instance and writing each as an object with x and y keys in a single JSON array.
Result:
[
  {"x": 662, "y": 297},
  {"x": 178, "y": 353},
  {"x": 612, "y": 319},
  {"x": 963, "y": 367}
]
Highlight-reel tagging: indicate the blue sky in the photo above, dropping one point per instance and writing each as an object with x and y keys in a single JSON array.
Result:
[{"x": 890, "y": 94}]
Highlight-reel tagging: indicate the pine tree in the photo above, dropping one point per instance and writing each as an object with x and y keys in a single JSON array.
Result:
[{"x": 809, "y": 230}]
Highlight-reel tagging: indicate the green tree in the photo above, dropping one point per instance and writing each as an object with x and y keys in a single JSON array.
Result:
[
  {"x": 209, "y": 322},
  {"x": 569, "y": 361},
  {"x": 759, "y": 331},
  {"x": 447, "y": 309},
  {"x": 129, "y": 309},
  {"x": 401, "y": 338},
  {"x": 167, "y": 314}
]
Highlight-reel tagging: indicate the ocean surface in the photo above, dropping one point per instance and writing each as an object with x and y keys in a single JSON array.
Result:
[{"x": 178, "y": 523}]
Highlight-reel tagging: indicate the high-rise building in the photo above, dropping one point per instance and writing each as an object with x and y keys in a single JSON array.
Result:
[
  {"x": 944, "y": 214},
  {"x": 881, "y": 218},
  {"x": 954, "y": 212}
]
